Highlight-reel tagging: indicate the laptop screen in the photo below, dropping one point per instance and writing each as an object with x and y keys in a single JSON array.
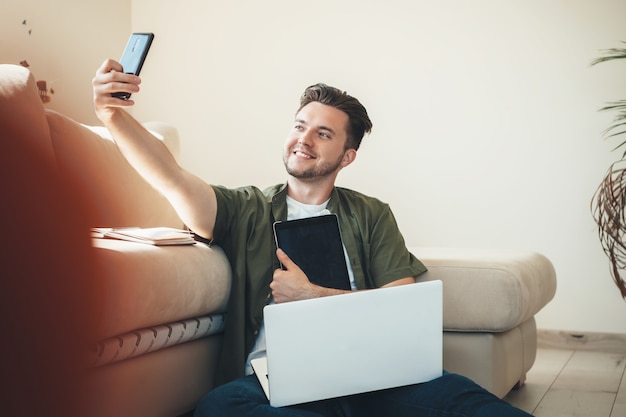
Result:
[{"x": 315, "y": 245}]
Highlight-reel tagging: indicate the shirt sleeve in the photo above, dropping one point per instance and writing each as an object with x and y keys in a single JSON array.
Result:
[
  {"x": 389, "y": 258},
  {"x": 376, "y": 247}
]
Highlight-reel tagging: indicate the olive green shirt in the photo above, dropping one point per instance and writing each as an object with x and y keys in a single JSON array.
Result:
[{"x": 243, "y": 229}]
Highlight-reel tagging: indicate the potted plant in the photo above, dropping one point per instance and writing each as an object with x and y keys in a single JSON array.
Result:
[{"x": 608, "y": 205}]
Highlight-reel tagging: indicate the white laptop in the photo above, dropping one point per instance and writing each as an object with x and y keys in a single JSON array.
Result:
[{"x": 353, "y": 343}]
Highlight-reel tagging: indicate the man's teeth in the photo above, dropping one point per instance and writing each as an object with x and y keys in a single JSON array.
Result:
[{"x": 302, "y": 154}]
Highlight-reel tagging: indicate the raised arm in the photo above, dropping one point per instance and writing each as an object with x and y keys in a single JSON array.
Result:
[{"x": 193, "y": 199}]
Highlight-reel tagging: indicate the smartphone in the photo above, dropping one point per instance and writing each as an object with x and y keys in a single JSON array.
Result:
[{"x": 134, "y": 56}]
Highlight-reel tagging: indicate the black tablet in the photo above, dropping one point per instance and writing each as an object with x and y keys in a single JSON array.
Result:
[{"x": 315, "y": 245}]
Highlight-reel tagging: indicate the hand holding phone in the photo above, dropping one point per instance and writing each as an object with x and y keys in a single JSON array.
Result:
[{"x": 134, "y": 56}]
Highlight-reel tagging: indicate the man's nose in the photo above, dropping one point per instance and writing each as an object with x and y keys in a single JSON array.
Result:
[{"x": 305, "y": 138}]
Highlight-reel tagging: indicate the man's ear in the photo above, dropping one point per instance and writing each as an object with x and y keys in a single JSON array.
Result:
[{"x": 348, "y": 157}]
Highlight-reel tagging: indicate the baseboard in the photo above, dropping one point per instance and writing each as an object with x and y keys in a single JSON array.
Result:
[{"x": 558, "y": 339}]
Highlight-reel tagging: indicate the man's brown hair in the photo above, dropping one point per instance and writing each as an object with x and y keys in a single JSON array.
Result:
[{"x": 359, "y": 122}]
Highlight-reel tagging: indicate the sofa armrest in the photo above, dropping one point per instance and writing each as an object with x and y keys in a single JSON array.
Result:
[
  {"x": 166, "y": 133},
  {"x": 488, "y": 290},
  {"x": 145, "y": 285}
]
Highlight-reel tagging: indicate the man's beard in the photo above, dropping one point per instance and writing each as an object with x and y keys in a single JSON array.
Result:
[{"x": 315, "y": 172}]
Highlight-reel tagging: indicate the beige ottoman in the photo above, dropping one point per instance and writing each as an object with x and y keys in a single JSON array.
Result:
[{"x": 490, "y": 298}]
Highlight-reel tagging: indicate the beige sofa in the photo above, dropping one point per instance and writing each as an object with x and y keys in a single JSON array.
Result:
[{"x": 162, "y": 309}]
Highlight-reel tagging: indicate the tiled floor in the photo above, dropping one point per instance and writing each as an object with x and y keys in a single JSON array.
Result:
[{"x": 578, "y": 381}]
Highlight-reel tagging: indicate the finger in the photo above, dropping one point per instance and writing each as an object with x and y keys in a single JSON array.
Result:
[
  {"x": 110, "y": 78},
  {"x": 285, "y": 260},
  {"x": 108, "y": 66},
  {"x": 103, "y": 87},
  {"x": 117, "y": 81},
  {"x": 103, "y": 97}
]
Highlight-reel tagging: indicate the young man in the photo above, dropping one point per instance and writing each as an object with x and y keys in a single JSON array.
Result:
[{"x": 325, "y": 137}]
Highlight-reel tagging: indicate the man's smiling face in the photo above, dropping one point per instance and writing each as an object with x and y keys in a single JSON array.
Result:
[{"x": 315, "y": 147}]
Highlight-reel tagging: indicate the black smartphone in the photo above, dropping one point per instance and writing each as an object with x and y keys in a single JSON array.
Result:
[{"x": 134, "y": 56}]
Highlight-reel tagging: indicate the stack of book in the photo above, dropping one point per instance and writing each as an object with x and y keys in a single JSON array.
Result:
[{"x": 159, "y": 236}]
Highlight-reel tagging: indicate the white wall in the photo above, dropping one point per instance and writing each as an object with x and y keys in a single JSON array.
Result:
[
  {"x": 68, "y": 41},
  {"x": 486, "y": 130}
]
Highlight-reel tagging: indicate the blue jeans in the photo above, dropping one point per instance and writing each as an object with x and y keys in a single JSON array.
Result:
[{"x": 451, "y": 396}]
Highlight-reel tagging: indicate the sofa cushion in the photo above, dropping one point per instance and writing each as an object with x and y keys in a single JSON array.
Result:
[
  {"x": 119, "y": 195},
  {"x": 488, "y": 290}
]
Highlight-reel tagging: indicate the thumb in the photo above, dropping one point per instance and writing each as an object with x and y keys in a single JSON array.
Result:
[{"x": 285, "y": 260}]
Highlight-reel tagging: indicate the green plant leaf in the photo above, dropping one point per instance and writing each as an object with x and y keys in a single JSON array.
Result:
[
  {"x": 619, "y": 146},
  {"x": 617, "y": 106},
  {"x": 610, "y": 54}
]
